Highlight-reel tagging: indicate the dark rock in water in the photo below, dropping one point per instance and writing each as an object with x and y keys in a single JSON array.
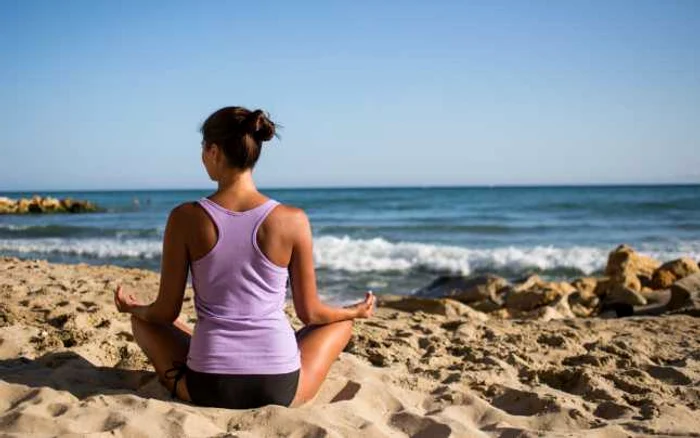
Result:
[
  {"x": 467, "y": 289},
  {"x": 685, "y": 293}
]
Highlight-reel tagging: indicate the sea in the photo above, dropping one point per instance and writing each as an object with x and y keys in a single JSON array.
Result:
[{"x": 396, "y": 240}]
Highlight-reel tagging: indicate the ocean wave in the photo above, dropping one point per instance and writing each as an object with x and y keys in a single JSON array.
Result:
[
  {"x": 65, "y": 231},
  {"x": 95, "y": 248},
  {"x": 357, "y": 255},
  {"x": 377, "y": 255}
]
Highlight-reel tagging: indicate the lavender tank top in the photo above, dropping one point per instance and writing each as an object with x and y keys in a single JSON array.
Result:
[{"x": 239, "y": 298}]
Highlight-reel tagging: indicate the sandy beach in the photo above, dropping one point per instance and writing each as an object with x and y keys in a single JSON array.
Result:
[{"x": 69, "y": 366}]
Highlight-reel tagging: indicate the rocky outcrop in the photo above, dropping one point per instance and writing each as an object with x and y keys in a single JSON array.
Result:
[
  {"x": 632, "y": 285},
  {"x": 670, "y": 272},
  {"x": 37, "y": 204}
]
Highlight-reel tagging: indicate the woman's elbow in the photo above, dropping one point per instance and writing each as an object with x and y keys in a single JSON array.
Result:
[
  {"x": 309, "y": 317},
  {"x": 163, "y": 317}
]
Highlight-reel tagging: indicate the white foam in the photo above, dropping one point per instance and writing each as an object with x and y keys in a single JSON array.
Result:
[
  {"x": 15, "y": 227},
  {"x": 380, "y": 255},
  {"x": 367, "y": 255},
  {"x": 99, "y": 248}
]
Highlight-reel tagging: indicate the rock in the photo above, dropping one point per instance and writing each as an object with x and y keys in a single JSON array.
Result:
[
  {"x": 628, "y": 280},
  {"x": 529, "y": 283},
  {"x": 624, "y": 260},
  {"x": 586, "y": 285},
  {"x": 22, "y": 206},
  {"x": 49, "y": 204},
  {"x": 619, "y": 294},
  {"x": 438, "y": 306},
  {"x": 685, "y": 293},
  {"x": 466, "y": 289},
  {"x": 531, "y": 299},
  {"x": 656, "y": 296},
  {"x": 38, "y": 204},
  {"x": 558, "y": 309},
  {"x": 486, "y": 306},
  {"x": 563, "y": 288},
  {"x": 535, "y": 292},
  {"x": 583, "y": 305},
  {"x": 669, "y": 272}
]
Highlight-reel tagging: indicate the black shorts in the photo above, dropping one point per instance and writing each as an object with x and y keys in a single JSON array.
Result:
[{"x": 237, "y": 391}]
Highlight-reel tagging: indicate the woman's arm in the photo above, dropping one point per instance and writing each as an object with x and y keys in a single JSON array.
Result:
[
  {"x": 310, "y": 309},
  {"x": 173, "y": 275}
]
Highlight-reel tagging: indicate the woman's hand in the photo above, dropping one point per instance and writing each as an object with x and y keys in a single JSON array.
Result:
[
  {"x": 125, "y": 302},
  {"x": 365, "y": 308}
]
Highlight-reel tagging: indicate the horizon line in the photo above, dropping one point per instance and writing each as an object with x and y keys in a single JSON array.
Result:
[{"x": 382, "y": 187}]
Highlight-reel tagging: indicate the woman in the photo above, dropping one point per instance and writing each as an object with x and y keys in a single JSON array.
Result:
[{"x": 241, "y": 248}]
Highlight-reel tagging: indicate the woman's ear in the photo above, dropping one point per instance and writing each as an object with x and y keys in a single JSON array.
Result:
[{"x": 217, "y": 154}]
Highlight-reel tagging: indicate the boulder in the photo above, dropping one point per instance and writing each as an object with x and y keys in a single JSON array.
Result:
[
  {"x": 670, "y": 272},
  {"x": 22, "y": 206},
  {"x": 583, "y": 305},
  {"x": 535, "y": 292},
  {"x": 7, "y": 205},
  {"x": 486, "y": 306},
  {"x": 685, "y": 293},
  {"x": 466, "y": 289},
  {"x": 438, "y": 306},
  {"x": 586, "y": 286},
  {"x": 624, "y": 260},
  {"x": 530, "y": 283},
  {"x": 49, "y": 204},
  {"x": 531, "y": 299},
  {"x": 619, "y": 294}
]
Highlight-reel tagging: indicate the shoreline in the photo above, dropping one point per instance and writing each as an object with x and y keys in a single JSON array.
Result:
[{"x": 68, "y": 364}]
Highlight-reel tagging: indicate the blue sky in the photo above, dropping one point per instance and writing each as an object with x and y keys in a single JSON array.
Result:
[{"x": 109, "y": 95}]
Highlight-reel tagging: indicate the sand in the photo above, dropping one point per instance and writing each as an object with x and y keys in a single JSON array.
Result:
[{"x": 69, "y": 367}]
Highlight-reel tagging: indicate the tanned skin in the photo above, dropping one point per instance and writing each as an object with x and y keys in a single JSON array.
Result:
[{"x": 284, "y": 237}]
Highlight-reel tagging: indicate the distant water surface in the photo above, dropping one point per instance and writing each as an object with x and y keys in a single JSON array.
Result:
[{"x": 394, "y": 240}]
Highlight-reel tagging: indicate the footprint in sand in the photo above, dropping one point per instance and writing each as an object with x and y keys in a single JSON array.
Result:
[
  {"x": 517, "y": 402},
  {"x": 348, "y": 392},
  {"x": 578, "y": 381},
  {"x": 417, "y": 426},
  {"x": 610, "y": 410},
  {"x": 669, "y": 375}
]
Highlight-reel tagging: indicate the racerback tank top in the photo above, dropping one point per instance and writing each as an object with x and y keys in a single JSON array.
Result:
[{"x": 239, "y": 299}]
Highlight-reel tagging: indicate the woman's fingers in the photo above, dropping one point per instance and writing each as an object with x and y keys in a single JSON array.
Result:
[{"x": 119, "y": 300}]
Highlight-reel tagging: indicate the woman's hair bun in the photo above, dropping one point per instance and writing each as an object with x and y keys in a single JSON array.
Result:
[{"x": 260, "y": 127}]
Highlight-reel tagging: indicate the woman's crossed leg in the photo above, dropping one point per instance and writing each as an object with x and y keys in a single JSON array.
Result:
[{"x": 319, "y": 345}]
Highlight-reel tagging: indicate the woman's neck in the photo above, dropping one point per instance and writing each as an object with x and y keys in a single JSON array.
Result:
[{"x": 237, "y": 184}]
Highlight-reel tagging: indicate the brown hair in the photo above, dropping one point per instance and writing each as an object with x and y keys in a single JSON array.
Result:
[{"x": 239, "y": 132}]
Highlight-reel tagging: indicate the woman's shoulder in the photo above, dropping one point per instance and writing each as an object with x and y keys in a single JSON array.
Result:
[
  {"x": 186, "y": 212},
  {"x": 287, "y": 216}
]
